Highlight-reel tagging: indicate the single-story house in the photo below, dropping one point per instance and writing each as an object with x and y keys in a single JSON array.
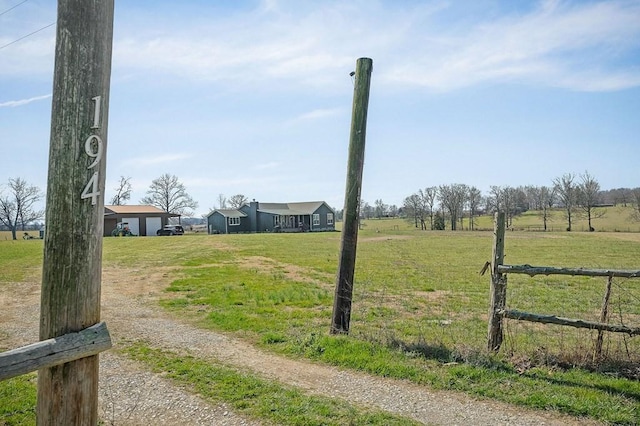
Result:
[
  {"x": 273, "y": 217},
  {"x": 141, "y": 220}
]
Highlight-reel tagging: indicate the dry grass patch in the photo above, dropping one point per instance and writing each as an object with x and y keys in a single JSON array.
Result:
[{"x": 265, "y": 265}]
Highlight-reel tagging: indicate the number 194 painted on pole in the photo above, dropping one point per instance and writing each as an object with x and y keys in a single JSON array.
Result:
[{"x": 94, "y": 148}]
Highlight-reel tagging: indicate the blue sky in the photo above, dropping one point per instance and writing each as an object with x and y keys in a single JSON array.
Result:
[{"x": 254, "y": 97}]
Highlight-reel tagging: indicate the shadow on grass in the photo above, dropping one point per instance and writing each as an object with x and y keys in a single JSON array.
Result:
[
  {"x": 566, "y": 382},
  {"x": 597, "y": 378},
  {"x": 445, "y": 355}
]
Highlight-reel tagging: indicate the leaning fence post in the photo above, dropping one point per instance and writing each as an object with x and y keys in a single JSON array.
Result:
[
  {"x": 498, "y": 285},
  {"x": 604, "y": 315}
]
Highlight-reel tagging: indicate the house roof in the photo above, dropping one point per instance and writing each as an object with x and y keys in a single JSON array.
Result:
[
  {"x": 305, "y": 208},
  {"x": 229, "y": 213},
  {"x": 135, "y": 209},
  {"x": 290, "y": 208}
]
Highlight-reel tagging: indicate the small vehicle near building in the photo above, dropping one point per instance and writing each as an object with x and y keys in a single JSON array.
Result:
[
  {"x": 171, "y": 230},
  {"x": 122, "y": 230}
]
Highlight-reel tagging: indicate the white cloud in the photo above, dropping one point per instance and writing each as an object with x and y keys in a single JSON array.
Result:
[
  {"x": 267, "y": 166},
  {"x": 316, "y": 114},
  {"x": 22, "y": 102},
  {"x": 159, "y": 159},
  {"x": 286, "y": 45},
  {"x": 556, "y": 45}
]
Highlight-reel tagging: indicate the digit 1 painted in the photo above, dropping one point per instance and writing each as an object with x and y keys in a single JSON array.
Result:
[{"x": 96, "y": 112}]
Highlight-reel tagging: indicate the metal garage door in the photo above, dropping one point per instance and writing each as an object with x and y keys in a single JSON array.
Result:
[
  {"x": 133, "y": 224},
  {"x": 153, "y": 224}
]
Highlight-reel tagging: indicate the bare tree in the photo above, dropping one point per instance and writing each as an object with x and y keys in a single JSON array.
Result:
[
  {"x": 635, "y": 200},
  {"x": 411, "y": 208},
  {"x": 123, "y": 192},
  {"x": 366, "y": 210},
  {"x": 452, "y": 198},
  {"x": 494, "y": 200},
  {"x": 17, "y": 207},
  {"x": 169, "y": 194},
  {"x": 237, "y": 201},
  {"x": 393, "y": 210},
  {"x": 545, "y": 197},
  {"x": 532, "y": 195},
  {"x": 622, "y": 196},
  {"x": 381, "y": 209},
  {"x": 566, "y": 190},
  {"x": 588, "y": 197},
  {"x": 429, "y": 196},
  {"x": 222, "y": 201},
  {"x": 474, "y": 198},
  {"x": 503, "y": 199}
]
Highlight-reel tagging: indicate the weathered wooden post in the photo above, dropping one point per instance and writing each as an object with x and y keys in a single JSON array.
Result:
[
  {"x": 344, "y": 280},
  {"x": 498, "y": 285},
  {"x": 71, "y": 277},
  {"x": 604, "y": 316}
]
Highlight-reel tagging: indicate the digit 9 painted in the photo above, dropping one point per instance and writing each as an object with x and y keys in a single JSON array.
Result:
[
  {"x": 94, "y": 148},
  {"x": 88, "y": 148}
]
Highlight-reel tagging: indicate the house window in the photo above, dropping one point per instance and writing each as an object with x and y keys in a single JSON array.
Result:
[
  {"x": 276, "y": 220},
  {"x": 233, "y": 221},
  {"x": 316, "y": 219},
  {"x": 329, "y": 218}
]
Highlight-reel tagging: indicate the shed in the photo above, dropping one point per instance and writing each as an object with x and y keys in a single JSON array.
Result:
[{"x": 141, "y": 219}]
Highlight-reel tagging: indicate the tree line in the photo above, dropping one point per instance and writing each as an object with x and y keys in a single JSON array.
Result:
[
  {"x": 19, "y": 200},
  {"x": 434, "y": 207},
  {"x": 439, "y": 207}
]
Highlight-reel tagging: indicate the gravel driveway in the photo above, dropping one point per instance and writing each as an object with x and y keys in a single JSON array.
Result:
[{"x": 131, "y": 395}]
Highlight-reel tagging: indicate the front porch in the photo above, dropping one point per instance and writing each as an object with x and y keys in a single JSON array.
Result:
[{"x": 291, "y": 223}]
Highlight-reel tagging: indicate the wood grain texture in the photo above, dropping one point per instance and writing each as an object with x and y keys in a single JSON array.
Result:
[
  {"x": 51, "y": 352},
  {"x": 71, "y": 277}
]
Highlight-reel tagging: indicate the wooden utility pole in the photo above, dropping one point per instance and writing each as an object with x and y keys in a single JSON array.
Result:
[
  {"x": 498, "y": 286},
  {"x": 71, "y": 277},
  {"x": 344, "y": 280}
]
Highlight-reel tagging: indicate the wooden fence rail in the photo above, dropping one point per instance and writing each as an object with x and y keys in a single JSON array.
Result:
[
  {"x": 549, "y": 270},
  {"x": 498, "y": 311},
  {"x": 552, "y": 319},
  {"x": 51, "y": 352}
]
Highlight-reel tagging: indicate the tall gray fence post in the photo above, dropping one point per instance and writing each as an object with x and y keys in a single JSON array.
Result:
[{"x": 498, "y": 285}]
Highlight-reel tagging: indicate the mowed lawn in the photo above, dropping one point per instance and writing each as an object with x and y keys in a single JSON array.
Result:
[{"x": 419, "y": 307}]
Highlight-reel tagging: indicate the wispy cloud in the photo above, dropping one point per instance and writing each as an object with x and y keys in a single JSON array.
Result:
[
  {"x": 581, "y": 47},
  {"x": 159, "y": 159},
  {"x": 267, "y": 166},
  {"x": 436, "y": 45},
  {"x": 316, "y": 114},
  {"x": 21, "y": 102},
  {"x": 232, "y": 185},
  {"x": 576, "y": 45}
]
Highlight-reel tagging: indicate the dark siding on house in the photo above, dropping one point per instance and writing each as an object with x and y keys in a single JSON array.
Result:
[
  {"x": 251, "y": 210},
  {"x": 245, "y": 226},
  {"x": 265, "y": 222},
  {"x": 216, "y": 222},
  {"x": 322, "y": 211}
]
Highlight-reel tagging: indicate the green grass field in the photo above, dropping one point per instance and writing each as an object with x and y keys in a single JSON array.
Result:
[{"x": 419, "y": 308}]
